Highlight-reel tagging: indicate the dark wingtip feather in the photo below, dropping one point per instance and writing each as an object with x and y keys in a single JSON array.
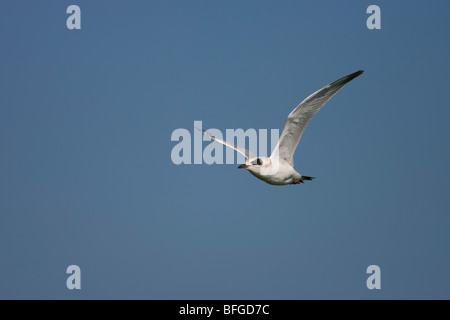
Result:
[
  {"x": 346, "y": 79},
  {"x": 353, "y": 75}
]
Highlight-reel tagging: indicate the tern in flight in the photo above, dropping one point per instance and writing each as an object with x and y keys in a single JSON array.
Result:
[{"x": 278, "y": 169}]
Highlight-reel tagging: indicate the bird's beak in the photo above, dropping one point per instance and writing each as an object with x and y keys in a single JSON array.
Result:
[{"x": 243, "y": 166}]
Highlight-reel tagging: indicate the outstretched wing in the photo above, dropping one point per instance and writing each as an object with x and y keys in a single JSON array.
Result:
[
  {"x": 245, "y": 152},
  {"x": 300, "y": 116}
]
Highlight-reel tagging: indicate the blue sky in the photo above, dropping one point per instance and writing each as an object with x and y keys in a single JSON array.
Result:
[{"x": 86, "y": 176}]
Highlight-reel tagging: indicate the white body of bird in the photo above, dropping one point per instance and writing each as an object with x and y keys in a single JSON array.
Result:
[{"x": 274, "y": 174}]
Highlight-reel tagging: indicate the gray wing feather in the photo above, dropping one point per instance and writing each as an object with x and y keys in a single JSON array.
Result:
[
  {"x": 245, "y": 152},
  {"x": 298, "y": 119}
]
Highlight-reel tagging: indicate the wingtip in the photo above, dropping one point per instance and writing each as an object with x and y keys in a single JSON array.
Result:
[
  {"x": 200, "y": 129},
  {"x": 348, "y": 77},
  {"x": 356, "y": 73}
]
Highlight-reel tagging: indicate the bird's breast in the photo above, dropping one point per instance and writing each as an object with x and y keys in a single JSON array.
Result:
[{"x": 279, "y": 175}]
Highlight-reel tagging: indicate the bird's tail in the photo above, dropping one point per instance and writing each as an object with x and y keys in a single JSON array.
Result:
[{"x": 306, "y": 178}]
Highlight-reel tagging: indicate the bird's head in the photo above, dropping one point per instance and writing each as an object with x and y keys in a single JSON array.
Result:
[{"x": 255, "y": 164}]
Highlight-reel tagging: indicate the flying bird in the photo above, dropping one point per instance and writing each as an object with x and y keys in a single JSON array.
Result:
[{"x": 278, "y": 169}]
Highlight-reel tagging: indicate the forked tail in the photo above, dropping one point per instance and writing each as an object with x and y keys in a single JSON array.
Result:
[{"x": 306, "y": 178}]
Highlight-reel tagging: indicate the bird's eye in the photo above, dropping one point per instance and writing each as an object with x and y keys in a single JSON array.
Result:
[{"x": 257, "y": 162}]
